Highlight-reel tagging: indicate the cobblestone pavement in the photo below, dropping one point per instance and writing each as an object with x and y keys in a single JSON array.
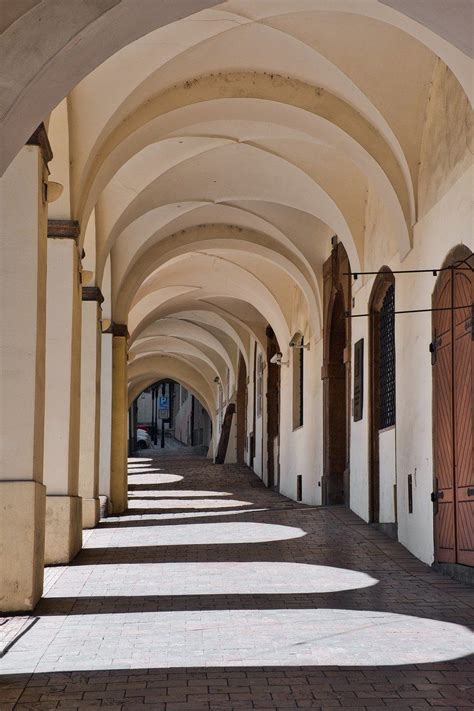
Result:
[{"x": 212, "y": 592}]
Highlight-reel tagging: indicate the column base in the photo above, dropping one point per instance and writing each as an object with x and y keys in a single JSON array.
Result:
[
  {"x": 22, "y": 530},
  {"x": 90, "y": 512},
  {"x": 63, "y": 529}
]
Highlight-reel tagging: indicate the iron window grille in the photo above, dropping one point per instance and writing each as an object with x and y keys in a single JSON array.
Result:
[{"x": 387, "y": 360}]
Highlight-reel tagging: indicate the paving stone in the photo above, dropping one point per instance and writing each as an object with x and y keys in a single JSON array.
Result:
[{"x": 184, "y": 602}]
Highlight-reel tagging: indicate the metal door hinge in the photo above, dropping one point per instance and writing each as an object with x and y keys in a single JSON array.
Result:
[
  {"x": 469, "y": 326},
  {"x": 434, "y": 345}
]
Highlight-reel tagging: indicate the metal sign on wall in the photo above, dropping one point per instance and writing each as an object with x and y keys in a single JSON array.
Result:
[
  {"x": 358, "y": 401},
  {"x": 164, "y": 407}
]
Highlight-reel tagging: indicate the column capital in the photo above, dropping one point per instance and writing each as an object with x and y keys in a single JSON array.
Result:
[
  {"x": 118, "y": 329},
  {"x": 64, "y": 229},
  {"x": 92, "y": 293},
  {"x": 39, "y": 137}
]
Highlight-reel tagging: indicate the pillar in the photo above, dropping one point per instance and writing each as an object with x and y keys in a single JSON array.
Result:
[
  {"x": 23, "y": 216},
  {"x": 90, "y": 406},
  {"x": 62, "y": 396},
  {"x": 105, "y": 415},
  {"x": 118, "y": 473}
]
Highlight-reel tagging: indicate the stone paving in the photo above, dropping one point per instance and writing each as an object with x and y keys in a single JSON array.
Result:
[{"x": 212, "y": 592}]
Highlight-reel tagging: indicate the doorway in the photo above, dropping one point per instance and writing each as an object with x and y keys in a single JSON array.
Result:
[
  {"x": 453, "y": 413},
  {"x": 336, "y": 377},
  {"x": 273, "y": 412}
]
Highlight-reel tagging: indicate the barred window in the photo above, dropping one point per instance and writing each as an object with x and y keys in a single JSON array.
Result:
[
  {"x": 259, "y": 376},
  {"x": 387, "y": 359},
  {"x": 298, "y": 381}
]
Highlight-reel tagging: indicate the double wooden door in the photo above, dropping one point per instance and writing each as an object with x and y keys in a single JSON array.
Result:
[{"x": 453, "y": 393}]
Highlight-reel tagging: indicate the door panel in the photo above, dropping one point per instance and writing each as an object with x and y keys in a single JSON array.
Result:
[
  {"x": 464, "y": 415},
  {"x": 453, "y": 399},
  {"x": 445, "y": 539}
]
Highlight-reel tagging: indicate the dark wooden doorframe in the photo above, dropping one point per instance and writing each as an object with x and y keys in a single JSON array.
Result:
[
  {"x": 241, "y": 409},
  {"x": 384, "y": 280},
  {"x": 453, "y": 412},
  {"x": 273, "y": 411},
  {"x": 336, "y": 375}
]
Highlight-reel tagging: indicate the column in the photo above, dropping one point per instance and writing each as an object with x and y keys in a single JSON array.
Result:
[
  {"x": 105, "y": 415},
  {"x": 23, "y": 215},
  {"x": 62, "y": 396},
  {"x": 90, "y": 406},
  {"x": 118, "y": 474}
]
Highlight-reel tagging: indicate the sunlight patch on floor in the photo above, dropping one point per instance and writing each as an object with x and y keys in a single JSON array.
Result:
[
  {"x": 229, "y": 578},
  {"x": 174, "y": 516},
  {"x": 177, "y": 493},
  {"x": 150, "y": 640},
  {"x": 186, "y": 504},
  {"x": 150, "y": 477},
  {"x": 192, "y": 534}
]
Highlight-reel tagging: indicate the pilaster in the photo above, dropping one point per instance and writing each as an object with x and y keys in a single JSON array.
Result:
[
  {"x": 118, "y": 481},
  {"x": 22, "y": 324},
  {"x": 62, "y": 397},
  {"x": 90, "y": 405}
]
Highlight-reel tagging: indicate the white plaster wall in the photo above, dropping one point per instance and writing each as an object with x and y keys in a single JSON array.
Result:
[
  {"x": 144, "y": 408},
  {"x": 301, "y": 449},
  {"x": 388, "y": 475},
  {"x": 448, "y": 223},
  {"x": 359, "y": 442},
  {"x": 181, "y": 421},
  {"x": 260, "y": 445},
  {"x": 105, "y": 415}
]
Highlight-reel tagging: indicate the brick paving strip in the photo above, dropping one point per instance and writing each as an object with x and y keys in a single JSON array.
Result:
[{"x": 273, "y": 587}]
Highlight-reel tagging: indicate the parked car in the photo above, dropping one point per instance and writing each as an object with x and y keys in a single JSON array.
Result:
[{"x": 143, "y": 439}]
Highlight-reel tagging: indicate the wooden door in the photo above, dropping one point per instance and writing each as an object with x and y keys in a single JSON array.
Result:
[
  {"x": 454, "y": 416},
  {"x": 463, "y": 335}
]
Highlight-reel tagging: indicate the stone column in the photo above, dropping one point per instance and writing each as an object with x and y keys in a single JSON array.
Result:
[
  {"x": 90, "y": 406},
  {"x": 23, "y": 218},
  {"x": 118, "y": 474},
  {"x": 105, "y": 415},
  {"x": 62, "y": 397}
]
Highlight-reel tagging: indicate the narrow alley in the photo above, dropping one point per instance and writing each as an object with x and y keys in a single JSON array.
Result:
[{"x": 214, "y": 592}]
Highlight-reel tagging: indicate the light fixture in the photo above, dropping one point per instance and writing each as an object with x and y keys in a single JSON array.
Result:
[
  {"x": 86, "y": 277},
  {"x": 217, "y": 379},
  {"x": 277, "y": 359},
  {"x": 53, "y": 191},
  {"x": 105, "y": 324},
  {"x": 294, "y": 344}
]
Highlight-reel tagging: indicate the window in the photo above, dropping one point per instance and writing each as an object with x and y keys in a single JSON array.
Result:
[
  {"x": 387, "y": 359},
  {"x": 298, "y": 380},
  {"x": 259, "y": 390}
]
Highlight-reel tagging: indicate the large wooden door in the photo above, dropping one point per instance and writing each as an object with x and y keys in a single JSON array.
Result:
[{"x": 454, "y": 415}]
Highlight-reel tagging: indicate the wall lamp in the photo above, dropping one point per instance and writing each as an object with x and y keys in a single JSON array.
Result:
[
  {"x": 277, "y": 359},
  {"x": 217, "y": 379},
  {"x": 294, "y": 344}
]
